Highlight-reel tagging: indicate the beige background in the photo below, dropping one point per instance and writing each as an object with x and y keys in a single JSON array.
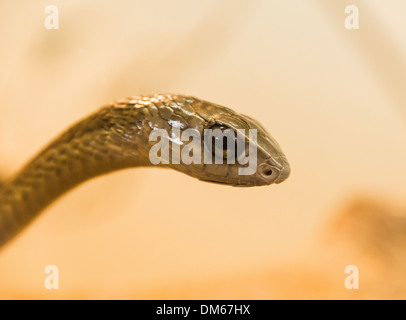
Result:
[{"x": 333, "y": 98}]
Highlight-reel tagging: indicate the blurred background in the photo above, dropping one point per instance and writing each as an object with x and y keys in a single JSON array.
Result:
[{"x": 333, "y": 98}]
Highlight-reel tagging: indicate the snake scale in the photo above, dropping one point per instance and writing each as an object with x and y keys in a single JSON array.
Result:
[{"x": 115, "y": 138}]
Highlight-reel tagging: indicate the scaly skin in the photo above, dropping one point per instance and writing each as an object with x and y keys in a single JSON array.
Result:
[{"x": 117, "y": 137}]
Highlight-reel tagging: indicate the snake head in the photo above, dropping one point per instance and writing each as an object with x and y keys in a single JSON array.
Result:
[
  {"x": 245, "y": 154},
  {"x": 264, "y": 154}
]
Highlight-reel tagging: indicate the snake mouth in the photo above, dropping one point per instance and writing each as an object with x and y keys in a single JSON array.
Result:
[
  {"x": 233, "y": 183},
  {"x": 284, "y": 174},
  {"x": 266, "y": 174},
  {"x": 273, "y": 171}
]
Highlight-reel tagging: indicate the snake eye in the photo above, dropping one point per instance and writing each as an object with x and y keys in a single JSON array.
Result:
[{"x": 223, "y": 142}]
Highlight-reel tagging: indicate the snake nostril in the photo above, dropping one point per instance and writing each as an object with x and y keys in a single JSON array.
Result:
[{"x": 269, "y": 173}]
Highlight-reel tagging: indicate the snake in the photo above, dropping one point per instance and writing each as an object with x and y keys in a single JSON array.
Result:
[{"x": 116, "y": 137}]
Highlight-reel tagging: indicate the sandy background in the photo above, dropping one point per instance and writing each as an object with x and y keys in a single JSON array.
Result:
[{"x": 333, "y": 98}]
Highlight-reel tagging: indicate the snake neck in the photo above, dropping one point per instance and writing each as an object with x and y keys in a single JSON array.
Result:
[{"x": 100, "y": 144}]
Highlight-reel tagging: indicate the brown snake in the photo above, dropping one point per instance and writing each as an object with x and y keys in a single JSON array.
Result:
[{"x": 117, "y": 137}]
